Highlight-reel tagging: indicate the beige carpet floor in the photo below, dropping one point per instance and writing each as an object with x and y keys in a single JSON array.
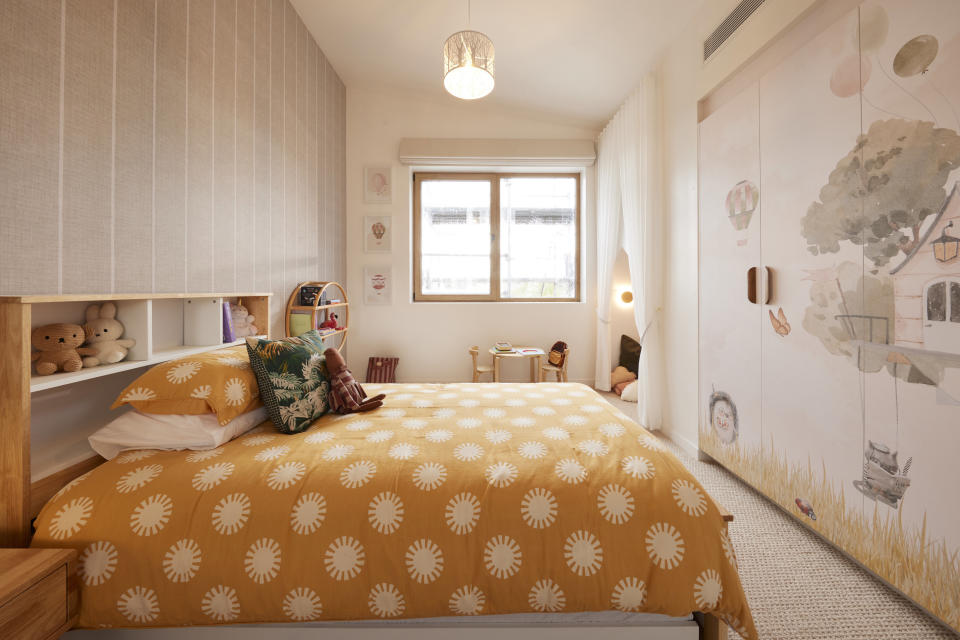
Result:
[{"x": 800, "y": 587}]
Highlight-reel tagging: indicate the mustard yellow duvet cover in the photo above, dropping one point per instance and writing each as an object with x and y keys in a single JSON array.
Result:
[{"x": 455, "y": 499}]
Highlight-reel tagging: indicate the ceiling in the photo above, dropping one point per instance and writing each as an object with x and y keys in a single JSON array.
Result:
[{"x": 576, "y": 59}]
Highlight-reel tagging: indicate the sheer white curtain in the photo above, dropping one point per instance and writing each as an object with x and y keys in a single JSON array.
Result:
[
  {"x": 634, "y": 136},
  {"x": 608, "y": 243}
]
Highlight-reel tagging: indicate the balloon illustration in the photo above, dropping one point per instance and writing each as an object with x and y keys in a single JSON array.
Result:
[
  {"x": 378, "y": 230},
  {"x": 874, "y": 26},
  {"x": 915, "y": 56},
  {"x": 742, "y": 201},
  {"x": 850, "y": 76}
]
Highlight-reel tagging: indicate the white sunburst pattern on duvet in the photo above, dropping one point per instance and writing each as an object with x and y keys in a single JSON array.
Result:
[
  {"x": 97, "y": 562},
  {"x": 182, "y": 560},
  {"x": 139, "y": 604},
  {"x": 357, "y": 474},
  {"x": 344, "y": 558},
  {"x": 424, "y": 561},
  {"x": 308, "y": 513},
  {"x": 286, "y": 475},
  {"x": 546, "y": 596},
  {"x": 502, "y": 556},
  {"x": 262, "y": 561},
  {"x": 231, "y": 513},
  {"x": 468, "y": 600},
  {"x": 462, "y": 513},
  {"x": 429, "y": 476},
  {"x": 386, "y": 601},
  {"x": 302, "y": 605},
  {"x": 211, "y": 476},
  {"x": 71, "y": 517},
  {"x": 151, "y": 515},
  {"x": 221, "y": 604}
]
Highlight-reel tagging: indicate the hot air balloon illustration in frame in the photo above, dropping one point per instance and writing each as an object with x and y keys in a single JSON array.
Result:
[
  {"x": 742, "y": 200},
  {"x": 377, "y": 234},
  {"x": 378, "y": 285}
]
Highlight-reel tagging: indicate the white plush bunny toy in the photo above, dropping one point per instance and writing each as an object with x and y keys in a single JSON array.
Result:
[{"x": 104, "y": 333}]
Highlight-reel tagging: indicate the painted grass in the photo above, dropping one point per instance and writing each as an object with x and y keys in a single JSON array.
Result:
[{"x": 925, "y": 570}]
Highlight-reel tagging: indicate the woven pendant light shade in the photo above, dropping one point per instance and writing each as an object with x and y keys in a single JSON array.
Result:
[{"x": 468, "y": 65}]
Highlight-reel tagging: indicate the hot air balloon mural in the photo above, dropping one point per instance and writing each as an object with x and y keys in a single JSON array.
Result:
[
  {"x": 377, "y": 234},
  {"x": 742, "y": 200},
  {"x": 916, "y": 56}
]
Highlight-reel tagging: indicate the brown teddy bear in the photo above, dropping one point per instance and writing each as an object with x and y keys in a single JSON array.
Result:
[{"x": 58, "y": 349}]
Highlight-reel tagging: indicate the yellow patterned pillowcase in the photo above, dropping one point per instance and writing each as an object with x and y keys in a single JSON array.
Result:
[{"x": 219, "y": 382}]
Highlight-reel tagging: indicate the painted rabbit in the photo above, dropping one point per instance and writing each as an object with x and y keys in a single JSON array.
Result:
[{"x": 103, "y": 332}]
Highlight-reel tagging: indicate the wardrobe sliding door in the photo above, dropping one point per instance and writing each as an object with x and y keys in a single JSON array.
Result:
[
  {"x": 811, "y": 385},
  {"x": 729, "y": 321}
]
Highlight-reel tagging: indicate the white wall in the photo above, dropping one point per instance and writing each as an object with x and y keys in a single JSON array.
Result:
[
  {"x": 432, "y": 338},
  {"x": 684, "y": 80}
]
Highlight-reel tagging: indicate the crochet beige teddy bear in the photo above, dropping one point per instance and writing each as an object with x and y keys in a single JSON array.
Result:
[
  {"x": 58, "y": 348},
  {"x": 104, "y": 333}
]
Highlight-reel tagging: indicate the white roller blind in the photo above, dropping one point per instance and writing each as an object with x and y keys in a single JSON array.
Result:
[{"x": 497, "y": 152}]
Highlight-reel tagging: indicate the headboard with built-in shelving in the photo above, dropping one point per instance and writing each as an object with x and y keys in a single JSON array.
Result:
[{"x": 45, "y": 420}]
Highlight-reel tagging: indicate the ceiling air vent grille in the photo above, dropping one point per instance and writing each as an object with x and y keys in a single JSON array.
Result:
[{"x": 730, "y": 24}]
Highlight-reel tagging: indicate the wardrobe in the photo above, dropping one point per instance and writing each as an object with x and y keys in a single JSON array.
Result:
[{"x": 829, "y": 215}]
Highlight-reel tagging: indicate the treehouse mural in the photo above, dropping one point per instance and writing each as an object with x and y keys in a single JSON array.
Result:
[{"x": 841, "y": 165}]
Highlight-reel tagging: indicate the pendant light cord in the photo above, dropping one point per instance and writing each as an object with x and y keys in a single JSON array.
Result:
[{"x": 468, "y": 13}]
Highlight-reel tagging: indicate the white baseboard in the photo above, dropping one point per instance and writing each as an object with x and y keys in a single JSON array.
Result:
[{"x": 688, "y": 446}]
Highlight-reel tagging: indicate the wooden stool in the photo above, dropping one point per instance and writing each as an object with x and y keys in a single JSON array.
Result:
[
  {"x": 478, "y": 369},
  {"x": 561, "y": 371}
]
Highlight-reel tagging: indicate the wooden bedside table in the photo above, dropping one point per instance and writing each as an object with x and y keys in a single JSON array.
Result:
[{"x": 39, "y": 593}]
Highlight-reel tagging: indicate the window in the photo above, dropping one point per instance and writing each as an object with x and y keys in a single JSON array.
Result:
[{"x": 496, "y": 237}]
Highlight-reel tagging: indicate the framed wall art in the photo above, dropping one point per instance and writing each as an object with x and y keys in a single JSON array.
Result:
[
  {"x": 377, "y": 185},
  {"x": 377, "y": 234},
  {"x": 378, "y": 284}
]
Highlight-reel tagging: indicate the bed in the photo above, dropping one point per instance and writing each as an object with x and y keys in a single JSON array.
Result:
[{"x": 451, "y": 500}]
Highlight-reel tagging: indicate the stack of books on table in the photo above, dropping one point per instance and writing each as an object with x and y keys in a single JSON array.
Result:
[{"x": 503, "y": 347}]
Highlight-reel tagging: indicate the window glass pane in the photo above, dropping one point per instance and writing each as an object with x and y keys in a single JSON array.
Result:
[
  {"x": 954, "y": 302},
  {"x": 538, "y": 237},
  {"x": 937, "y": 302},
  {"x": 455, "y": 237}
]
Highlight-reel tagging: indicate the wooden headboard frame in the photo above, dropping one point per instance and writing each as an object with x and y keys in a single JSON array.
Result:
[{"x": 21, "y": 497}]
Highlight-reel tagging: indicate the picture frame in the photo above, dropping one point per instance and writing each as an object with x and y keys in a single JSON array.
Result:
[
  {"x": 378, "y": 284},
  {"x": 377, "y": 234},
  {"x": 378, "y": 184}
]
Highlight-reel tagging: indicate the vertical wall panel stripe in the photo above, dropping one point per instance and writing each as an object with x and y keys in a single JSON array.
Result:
[
  {"x": 87, "y": 146},
  {"x": 30, "y": 140},
  {"x": 290, "y": 143},
  {"x": 277, "y": 281},
  {"x": 247, "y": 152},
  {"x": 262, "y": 165},
  {"x": 133, "y": 157},
  {"x": 171, "y": 141},
  {"x": 200, "y": 132},
  {"x": 224, "y": 218}
]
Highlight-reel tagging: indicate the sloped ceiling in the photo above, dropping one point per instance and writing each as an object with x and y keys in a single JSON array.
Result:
[{"x": 575, "y": 59}]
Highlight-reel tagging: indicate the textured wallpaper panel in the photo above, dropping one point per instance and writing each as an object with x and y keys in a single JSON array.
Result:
[{"x": 167, "y": 145}]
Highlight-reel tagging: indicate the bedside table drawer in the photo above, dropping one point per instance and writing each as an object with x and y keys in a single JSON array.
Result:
[{"x": 37, "y": 612}]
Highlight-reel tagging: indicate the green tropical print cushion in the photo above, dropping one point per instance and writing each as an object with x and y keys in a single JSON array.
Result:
[{"x": 292, "y": 376}]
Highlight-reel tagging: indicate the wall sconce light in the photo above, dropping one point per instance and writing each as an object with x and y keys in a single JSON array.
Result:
[{"x": 626, "y": 297}]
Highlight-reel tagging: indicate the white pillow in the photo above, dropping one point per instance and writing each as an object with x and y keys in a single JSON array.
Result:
[
  {"x": 135, "y": 430},
  {"x": 630, "y": 392}
]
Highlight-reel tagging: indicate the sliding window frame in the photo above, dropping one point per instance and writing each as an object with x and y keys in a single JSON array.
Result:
[{"x": 494, "y": 180}]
